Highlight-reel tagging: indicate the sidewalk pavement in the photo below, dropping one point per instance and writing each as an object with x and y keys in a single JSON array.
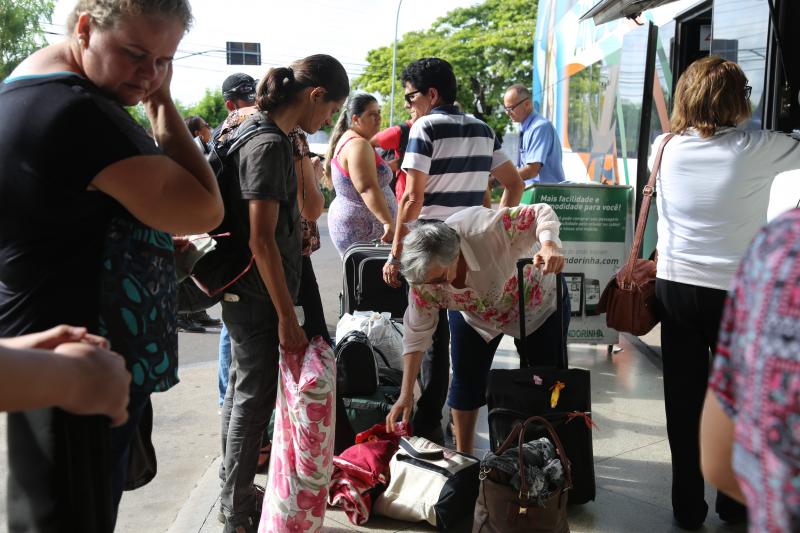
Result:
[
  {"x": 631, "y": 455},
  {"x": 632, "y": 462}
]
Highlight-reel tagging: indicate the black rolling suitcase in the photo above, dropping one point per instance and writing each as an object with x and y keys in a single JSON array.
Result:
[
  {"x": 515, "y": 395},
  {"x": 363, "y": 288}
]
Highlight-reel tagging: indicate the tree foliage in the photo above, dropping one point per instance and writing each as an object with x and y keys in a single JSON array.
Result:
[
  {"x": 21, "y": 30},
  {"x": 138, "y": 114},
  {"x": 211, "y": 107},
  {"x": 490, "y": 46}
]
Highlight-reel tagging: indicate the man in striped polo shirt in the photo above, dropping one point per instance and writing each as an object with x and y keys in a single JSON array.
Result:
[{"x": 449, "y": 160}]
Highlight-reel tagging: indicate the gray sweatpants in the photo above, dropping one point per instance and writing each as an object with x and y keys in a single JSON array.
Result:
[{"x": 253, "y": 326}]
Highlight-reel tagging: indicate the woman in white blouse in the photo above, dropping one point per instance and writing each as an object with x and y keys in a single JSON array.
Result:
[
  {"x": 467, "y": 264},
  {"x": 712, "y": 195}
]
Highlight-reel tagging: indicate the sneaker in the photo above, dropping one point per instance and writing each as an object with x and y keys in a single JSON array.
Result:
[
  {"x": 187, "y": 324},
  {"x": 249, "y": 527},
  {"x": 202, "y": 318},
  {"x": 254, "y": 518}
]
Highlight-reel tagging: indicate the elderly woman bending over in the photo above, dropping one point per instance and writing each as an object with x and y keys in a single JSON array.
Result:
[{"x": 467, "y": 264}]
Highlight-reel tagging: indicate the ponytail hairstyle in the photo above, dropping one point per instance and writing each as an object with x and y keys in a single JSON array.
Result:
[
  {"x": 354, "y": 106},
  {"x": 195, "y": 124},
  {"x": 281, "y": 85}
]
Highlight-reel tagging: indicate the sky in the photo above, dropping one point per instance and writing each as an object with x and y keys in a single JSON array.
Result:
[{"x": 287, "y": 30}]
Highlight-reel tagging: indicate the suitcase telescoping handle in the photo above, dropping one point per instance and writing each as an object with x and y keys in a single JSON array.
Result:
[{"x": 562, "y": 360}]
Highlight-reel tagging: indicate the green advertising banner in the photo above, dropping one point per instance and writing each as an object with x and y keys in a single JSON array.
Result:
[{"x": 595, "y": 232}]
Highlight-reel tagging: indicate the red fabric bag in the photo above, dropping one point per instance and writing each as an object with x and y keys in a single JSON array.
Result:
[{"x": 361, "y": 472}]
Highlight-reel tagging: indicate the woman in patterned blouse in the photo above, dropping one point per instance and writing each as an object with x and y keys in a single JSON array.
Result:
[
  {"x": 467, "y": 264},
  {"x": 750, "y": 433}
]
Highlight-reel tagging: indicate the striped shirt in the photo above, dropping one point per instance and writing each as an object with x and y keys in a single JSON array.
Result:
[{"x": 457, "y": 152}]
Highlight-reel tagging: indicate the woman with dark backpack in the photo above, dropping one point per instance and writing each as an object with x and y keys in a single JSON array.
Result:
[{"x": 258, "y": 309}]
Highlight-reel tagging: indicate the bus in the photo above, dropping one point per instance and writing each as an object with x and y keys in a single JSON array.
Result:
[{"x": 605, "y": 73}]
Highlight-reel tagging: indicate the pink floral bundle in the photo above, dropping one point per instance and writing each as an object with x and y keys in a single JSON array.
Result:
[{"x": 302, "y": 446}]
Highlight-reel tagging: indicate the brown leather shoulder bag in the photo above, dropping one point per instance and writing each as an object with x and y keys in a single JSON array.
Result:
[
  {"x": 502, "y": 509},
  {"x": 629, "y": 299}
]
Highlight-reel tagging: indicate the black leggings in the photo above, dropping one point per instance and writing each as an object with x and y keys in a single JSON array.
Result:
[{"x": 690, "y": 319}]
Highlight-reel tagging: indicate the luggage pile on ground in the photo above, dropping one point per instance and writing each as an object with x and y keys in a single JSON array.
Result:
[{"x": 539, "y": 420}]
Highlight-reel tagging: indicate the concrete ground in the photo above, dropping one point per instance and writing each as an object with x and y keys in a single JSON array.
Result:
[{"x": 630, "y": 447}]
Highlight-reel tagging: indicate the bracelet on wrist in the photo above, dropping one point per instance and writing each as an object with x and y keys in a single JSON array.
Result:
[{"x": 392, "y": 260}]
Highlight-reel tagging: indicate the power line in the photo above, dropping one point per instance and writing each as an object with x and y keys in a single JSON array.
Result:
[{"x": 350, "y": 73}]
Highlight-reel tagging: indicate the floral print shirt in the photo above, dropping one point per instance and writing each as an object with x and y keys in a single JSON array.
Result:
[
  {"x": 491, "y": 242},
  {"x": 756, "y": 375},
  {"x": 300, "y": 149}
]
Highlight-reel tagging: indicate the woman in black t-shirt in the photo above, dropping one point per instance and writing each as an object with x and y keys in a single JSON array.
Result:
[
  {"x": 87, "y": 205},
  {"x": 259, "y": 308}
]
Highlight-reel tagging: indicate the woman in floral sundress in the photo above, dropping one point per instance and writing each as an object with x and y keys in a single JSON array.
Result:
[{"x": 467, "y": 264}]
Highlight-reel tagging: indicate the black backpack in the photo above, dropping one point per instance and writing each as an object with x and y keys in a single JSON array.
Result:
[
  {"x": 356, "y": 365},
  {"x": 231, "y": 257}
]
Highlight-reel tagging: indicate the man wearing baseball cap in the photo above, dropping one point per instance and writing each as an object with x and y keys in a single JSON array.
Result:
[{"x": 239, "y": 91}]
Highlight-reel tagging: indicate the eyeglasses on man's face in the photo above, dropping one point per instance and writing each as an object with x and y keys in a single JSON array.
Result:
[
  {"x": 409, "y": 97},
  {"x": 513, "y": 107}
]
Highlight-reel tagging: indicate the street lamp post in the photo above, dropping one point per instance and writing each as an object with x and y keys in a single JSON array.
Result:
[{"x": 394, "y": 62}]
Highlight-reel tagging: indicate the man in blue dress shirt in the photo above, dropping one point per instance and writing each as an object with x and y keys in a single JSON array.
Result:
[{"x": 539, "y": 156}]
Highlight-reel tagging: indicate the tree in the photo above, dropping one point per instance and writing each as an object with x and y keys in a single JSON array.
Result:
[
  {"x": 138, "y": 113},
  {"x": 490, "y": 46},
  {"x": 21, "y": 30},
  {"x": 211, "y": 107}
]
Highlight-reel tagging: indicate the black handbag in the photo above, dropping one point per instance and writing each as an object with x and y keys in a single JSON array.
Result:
[
  {"x": 142, "y": 463},
  {"x": 356, "y": 366}
]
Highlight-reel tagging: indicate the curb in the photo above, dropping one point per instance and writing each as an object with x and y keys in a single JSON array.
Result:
[{"x": 200, "y": 505}]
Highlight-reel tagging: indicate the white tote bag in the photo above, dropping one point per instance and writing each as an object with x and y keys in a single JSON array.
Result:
[{"x": 385, "y": 334}]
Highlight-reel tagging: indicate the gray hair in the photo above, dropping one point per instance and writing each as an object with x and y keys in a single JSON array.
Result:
[
  {"x": 520, "y": 90},
  {"x": 107, "y": 13},
  {"x": 428, "y": 244}
]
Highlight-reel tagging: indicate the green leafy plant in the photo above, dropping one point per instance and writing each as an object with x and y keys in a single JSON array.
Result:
[
  {"x": 21, "y": 31},
  {"x": 490, "y": 46}
]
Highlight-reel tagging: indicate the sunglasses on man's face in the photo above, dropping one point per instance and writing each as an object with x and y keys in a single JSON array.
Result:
[{"x": 409, "y": 97}]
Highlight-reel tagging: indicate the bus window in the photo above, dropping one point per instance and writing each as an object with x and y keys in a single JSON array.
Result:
[{"x": 740, "y": 34}]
